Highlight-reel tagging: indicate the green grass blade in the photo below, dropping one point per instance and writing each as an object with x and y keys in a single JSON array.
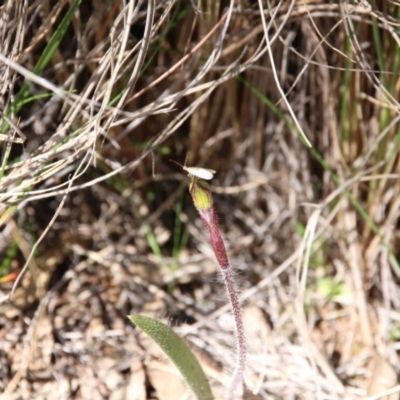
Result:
[{"x": 48, "y": 52}]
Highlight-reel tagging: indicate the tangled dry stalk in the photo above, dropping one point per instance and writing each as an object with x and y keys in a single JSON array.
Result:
[{"x": 97, "y": 97}]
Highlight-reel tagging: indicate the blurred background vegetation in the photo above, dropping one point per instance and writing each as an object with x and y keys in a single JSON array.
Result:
[{"x": 97, "y": 223}]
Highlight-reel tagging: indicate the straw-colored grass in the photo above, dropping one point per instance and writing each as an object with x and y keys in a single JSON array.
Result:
[{"x": 98, "y": 223}]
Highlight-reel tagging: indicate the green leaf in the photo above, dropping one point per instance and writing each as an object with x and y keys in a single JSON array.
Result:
[{"x": 178, "y": 352}]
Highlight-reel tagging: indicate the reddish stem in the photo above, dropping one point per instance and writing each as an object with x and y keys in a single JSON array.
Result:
[{"x": 210, "y": 219}]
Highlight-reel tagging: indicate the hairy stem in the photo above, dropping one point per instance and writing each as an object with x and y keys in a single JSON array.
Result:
[
  {"x": 240, "y": 335},
  {"x": 203, "y": 201}
]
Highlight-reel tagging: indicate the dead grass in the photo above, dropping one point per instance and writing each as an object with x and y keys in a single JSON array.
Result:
[{"x": 99, "y": 223}]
